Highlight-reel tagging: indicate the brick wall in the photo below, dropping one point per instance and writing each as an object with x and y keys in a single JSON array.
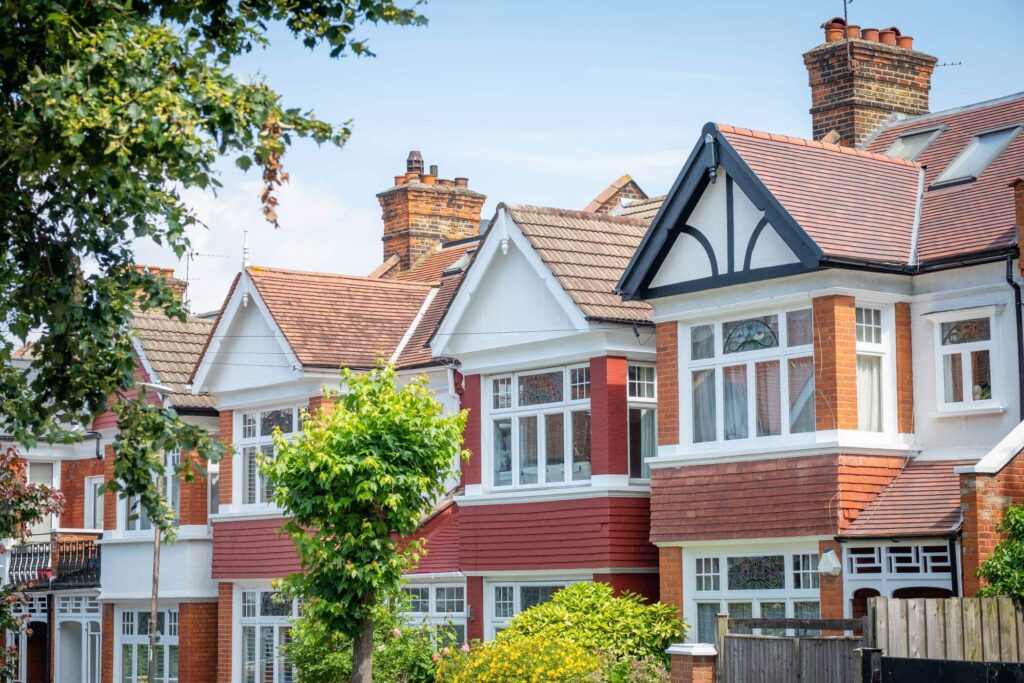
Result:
[
  {"x": 109, "y": 498},
  {"x": 609, "y": 446},
  {"x": 72, "y": 484},
  {"x": 831, "y": 587},
  {"x": 835, "y": 363},
  {"x": 667, "y": 346},
  {"x": 195, "y": 496},
  {"x": 107, "y": 634},
  {"x": 225, "y": 619},
  {"x": 904, "y": 371},
  {"x": 984, "y": 499},
  {"x": 693, "y": 669},
  {"x": 855, "y": 97},
  {"x": 198, "y": 641},
  {"x": 670, "y": 576},
  {"x": 227, "y": 423}
]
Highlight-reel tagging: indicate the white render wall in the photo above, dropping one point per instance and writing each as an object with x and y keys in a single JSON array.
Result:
[{"x": 185, "y": 567}]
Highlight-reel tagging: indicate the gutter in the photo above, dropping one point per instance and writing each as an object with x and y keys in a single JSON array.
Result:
[
  {"x": 1010, "y": 280},
  {"x": 914, "y": 269}
]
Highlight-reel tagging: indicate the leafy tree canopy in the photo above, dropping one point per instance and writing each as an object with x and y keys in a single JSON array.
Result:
[
  {"x": 358, "y": 479},
  {"x": 1003, "y": 570},
  {"x": 109, "y": 111}
]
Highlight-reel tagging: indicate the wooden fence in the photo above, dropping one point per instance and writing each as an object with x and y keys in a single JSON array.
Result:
[{"x": 970, "y": 629}]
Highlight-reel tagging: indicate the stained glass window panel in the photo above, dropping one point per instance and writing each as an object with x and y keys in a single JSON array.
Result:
[
  {"x": 544, "y": 387},
  {"x": 966, "y": 331},
  {"x": 535, "y": 595},
  {"x": 752, "y": 334},
  {"x": 282, "y": 419},
  {"x": 275, "y": 604},
  {"x": 762, "y": 572}
]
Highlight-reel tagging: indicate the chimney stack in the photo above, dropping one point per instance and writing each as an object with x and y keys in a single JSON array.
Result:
[
  {"x": 177, "y": 286},
  {"x": 421, "y": 211},
  {"x": 861, "y": 77}
]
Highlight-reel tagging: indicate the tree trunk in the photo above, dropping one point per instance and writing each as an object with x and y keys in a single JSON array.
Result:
[{"x": 362, "y": 653}]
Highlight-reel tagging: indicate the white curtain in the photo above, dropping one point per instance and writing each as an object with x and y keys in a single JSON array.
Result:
[
  {"x": 734, "y": 399},
  {"x": 703, "y": 406},
  {"x": 648, "y": 440},
  {"x": 869, "y": 393}
]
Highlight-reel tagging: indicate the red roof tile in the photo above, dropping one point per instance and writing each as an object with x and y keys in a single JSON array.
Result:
[
  {"x": 853, "y": 204},
  {"x": 430, "y": 267},
  {"x": 923, "y": 500},
  {"x": 973, "y": 217},
  {"x": 417, "y": 352}
]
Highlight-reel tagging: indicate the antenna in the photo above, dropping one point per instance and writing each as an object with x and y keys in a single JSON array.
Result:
[
  {"x": 245, "y": 249},
  {"x": 846, "y": 34},
  {"x": 960, "y": 63}
]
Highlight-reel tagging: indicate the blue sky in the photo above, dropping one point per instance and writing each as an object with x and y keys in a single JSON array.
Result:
[{"x": 546, "y": 102}]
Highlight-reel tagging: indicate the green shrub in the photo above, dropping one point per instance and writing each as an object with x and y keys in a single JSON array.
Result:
[
  {"x": 591, "y": 616},
  {"x": 403, "y": 651},
  {"x": 1004, "y": 568}
]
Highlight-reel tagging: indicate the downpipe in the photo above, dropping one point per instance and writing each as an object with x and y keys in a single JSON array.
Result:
[{"x": 1012, "y": 281}]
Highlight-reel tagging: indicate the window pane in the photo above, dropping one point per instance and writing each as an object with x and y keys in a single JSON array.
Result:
[
  {"x": 734, "y": 401},
  {"x": 266, "y": 667},
  {"x": 909, "y": 146},
  {"x": 502, "y": 390},
  {"x": 769, "y": 400},
  {"x": 805, "y": 572},
  {"x": 449, "y": 599},
  {"x": 706, "y": 623},
  {"x": 807, "y": 610},
  {"x": 545, "y": 387},
  {"x": 740, "y": 610},
  {"x": 869, "y": 393},
  {"x": 641, "y": 382},
  {"x": 127, "y": 662},
  {"x": 708, "y": 574},
  {"x": 869, "y": 325},
  {"x": 702, "y": 342},
  {"x": 643, "y": 440},
  {"x": 275, "y": 604},
  {"x": 703, "y": 406},
  {"x": 248, "y": 604},
  {"x": 801, "y": 395},
  {"x": 282, "y": 419},
  {"x": 773, "y": 610},
  {"x": 757, "y": 573},
  {"x": 284, "y": 667},
  {"x": 799, "y": 327},
  {"x": 580, "y": 445},
  {"x": 528, "y": 449},
  {"x": 535, "y": 595},
  {"x": 417, "y": 599},
  {"x": 504, "y": 602},
  {"x": 248, "y": 425},
  {"x": 953, "y": 377},
  {"x": 579, "y": 383},
  {"x": 266, "y": 490},
  {"x": 975, "y": 158},
  {"x": 249, "y": 463},
  {"x": 97, "y": 505},
  {"x": 981, "y": 376},
  {"x": 249, "y": 654},
  {"x": 752, "y": 334},
  {"x": 503, "y": 452},
  {"x": 554, "y": 447},
  {"x": 966, "y": 331}
]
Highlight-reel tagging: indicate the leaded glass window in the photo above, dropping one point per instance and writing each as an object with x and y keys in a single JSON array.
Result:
[
  {"x": 965, "y": 352},
  {"x": 752, "y": 334},
  {"x": 766, "y": 572},
  {"x": 544, "y": 387}
]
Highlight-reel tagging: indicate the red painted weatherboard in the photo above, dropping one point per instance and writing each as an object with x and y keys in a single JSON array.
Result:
[
  {"x": 442, "y": 543},
  {"x": 470, "y": 396},
  {"x": 565, "y": 534},
  {"x": 252, "y": 549}
]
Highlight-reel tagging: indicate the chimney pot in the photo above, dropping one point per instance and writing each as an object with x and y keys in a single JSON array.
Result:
[
  {"x": 429, "y": 179},
  {"x": 870, "y": 34},
  {"x": 399, "y": 180},
  {"x": 445, "y": 181},
  {"x": 462, "y": 182},
  {"x": 853, "y": 31},
  {"x": 906, "y": 42},
  {"x": 887, "y": 36},
  {"x": 895, "y": 30},
  {"x": 433, "y": 170},
  {"x": 834, "y": 22},
  {"x": 414, "y": 164},
  {"x": 411, "y": 176}
]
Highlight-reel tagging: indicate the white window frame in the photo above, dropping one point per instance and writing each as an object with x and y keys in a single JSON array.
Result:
[
  {"x": 565, "y": 407},
  {"x": 885, "y": 349},
  {"x": 886, "y": 581},
  {"x": 969, "y": 404},
  {"x": 789, "y": 595},
  {"x": 171, "y": 489},
  {"x": 783, "y": 353},
  {"x": 493, "y": 623},
  {"x": 169, "y": 639},
  {"x": 635, "y": 402},
  {"x": 91, "y": 484},
  {"x": 434, "y": 616},
  {"x": 281, "y": 626},
  {"x": 240, "y": 442}
]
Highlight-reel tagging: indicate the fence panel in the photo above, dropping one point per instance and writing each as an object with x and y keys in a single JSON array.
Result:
[
  {"x": 755, "y": 659},
  {"x": 967, "y": 629},
  {"x": 827, "y": 660}
]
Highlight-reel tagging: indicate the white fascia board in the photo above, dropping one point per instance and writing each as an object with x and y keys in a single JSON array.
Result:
[
  {"x": 827, "y": 443},
  {"x": 246, "y": 289},
  {"x": 299, "y": 391},
  {"x": 622, "y": 489},
  {"x": 427, "y": 300},
  {"x": 1000, "y": 455},
  {"x": 146, "y": 365},
  {"x": 752, "y": 544},
  {"x": 503, "y": 229}
]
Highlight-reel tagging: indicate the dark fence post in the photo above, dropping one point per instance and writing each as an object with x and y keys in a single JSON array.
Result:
[{"x": 867, "y": 666}]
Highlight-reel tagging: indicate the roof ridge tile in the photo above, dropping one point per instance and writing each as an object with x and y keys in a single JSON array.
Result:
[{"x": 818, "y": 144}]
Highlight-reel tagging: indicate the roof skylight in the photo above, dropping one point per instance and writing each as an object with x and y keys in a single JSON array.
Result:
[
  {"x": 910, "y": 145},
  {"x": 977, "y": 155}
]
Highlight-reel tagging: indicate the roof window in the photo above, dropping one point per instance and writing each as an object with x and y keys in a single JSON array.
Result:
[
  {"x": 910, "y": 145},
  {"x": 979, "y": 153}
]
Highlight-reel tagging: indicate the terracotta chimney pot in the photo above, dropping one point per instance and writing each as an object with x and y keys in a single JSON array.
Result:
[
  {"x": 429, "y": 180},
  {"x": 411, "y": 176},
  {"x": 833, "y": 34},
  {"x": 853, "y": 31},
  {"x": 445, "y": 181},
  {"x": 870, "y": 34},
  {"x": 462, "y": 182},
  {"x": 906, "y": 42},
  {"x": 887, "y": 36},
  {"x": 399, "y": 179}
]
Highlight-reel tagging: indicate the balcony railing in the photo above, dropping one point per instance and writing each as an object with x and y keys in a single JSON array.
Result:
[{"x": 67, "y": 560}]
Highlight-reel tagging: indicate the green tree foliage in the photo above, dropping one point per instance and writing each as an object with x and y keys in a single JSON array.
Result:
[
  {"x": 21, "y": 505},
  {"x": 1003, "y": 571},
  {"x": 356, "y": 480},
  {"x": 591, "y": 616}
]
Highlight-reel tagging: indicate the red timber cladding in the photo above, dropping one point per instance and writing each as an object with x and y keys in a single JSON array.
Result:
[
  {"x": 641, "y": 583},
  {"x": 835, "y": 362},
  {"x": 226, "y": 427},
  {"x": 609, "y": 445},
  {"x": 904, "y": 371},
  {"x": 107, "y": 419},
  {"x": 566, "y": 534},
  {"x": 252, "y": 549},
  {"x": 225, "y": 617},
  {"x": 797, "y": 496},
  {"x": 984, "y": 499},
  {"x": 72, "y": 484},
  {"x": 470, "y": 399},
  {"x": 666, "y": 342},
  {"x": 475, "y": 596},
  {"x": 441, "y": 534},
  {"x": 197, "y": 649}
]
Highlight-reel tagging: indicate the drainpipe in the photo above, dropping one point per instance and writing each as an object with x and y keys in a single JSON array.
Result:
[{"x": 1012, "y": 281}]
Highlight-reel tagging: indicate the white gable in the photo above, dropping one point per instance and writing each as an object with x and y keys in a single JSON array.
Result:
[{"x": 702, "y": 249}]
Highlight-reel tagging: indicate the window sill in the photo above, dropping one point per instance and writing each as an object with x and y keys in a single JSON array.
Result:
[
  {"x": 619, "y": 487},
  {"x": 969, "y": 412}
]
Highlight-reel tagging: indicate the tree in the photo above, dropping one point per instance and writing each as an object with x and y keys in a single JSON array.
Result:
[
  {"x": 1003, "y": 570},
  {"x": 355, "y": 482},
  {"x": 24, "y": 504}
]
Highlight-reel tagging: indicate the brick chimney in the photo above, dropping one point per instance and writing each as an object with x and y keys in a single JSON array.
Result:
[
  {"x": 422, "y": 210},
  {"x": 860, "y": 77},
  {"x": 177, "y": 286}
]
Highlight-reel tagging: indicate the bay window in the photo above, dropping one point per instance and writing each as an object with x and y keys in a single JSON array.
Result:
[
  {"x": 774, "y": 585},
  {"x": 540, "y": 427},
  {"x": 135, "y": 518},
  {"x": 964, "y": 354},
  {"x": 642, "y": 414},
  {"x": 256, "y": 441},
  {"x": 751, "y": 378},
  {"x": 134, "y": 640},
  {"x": 265, "y": 627}
]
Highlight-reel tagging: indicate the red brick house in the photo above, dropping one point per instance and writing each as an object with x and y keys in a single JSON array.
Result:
[{"x": 839, "y": 347}]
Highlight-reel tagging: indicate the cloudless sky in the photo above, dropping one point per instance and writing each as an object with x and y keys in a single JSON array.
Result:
[{"x": 546, "y": 102}]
